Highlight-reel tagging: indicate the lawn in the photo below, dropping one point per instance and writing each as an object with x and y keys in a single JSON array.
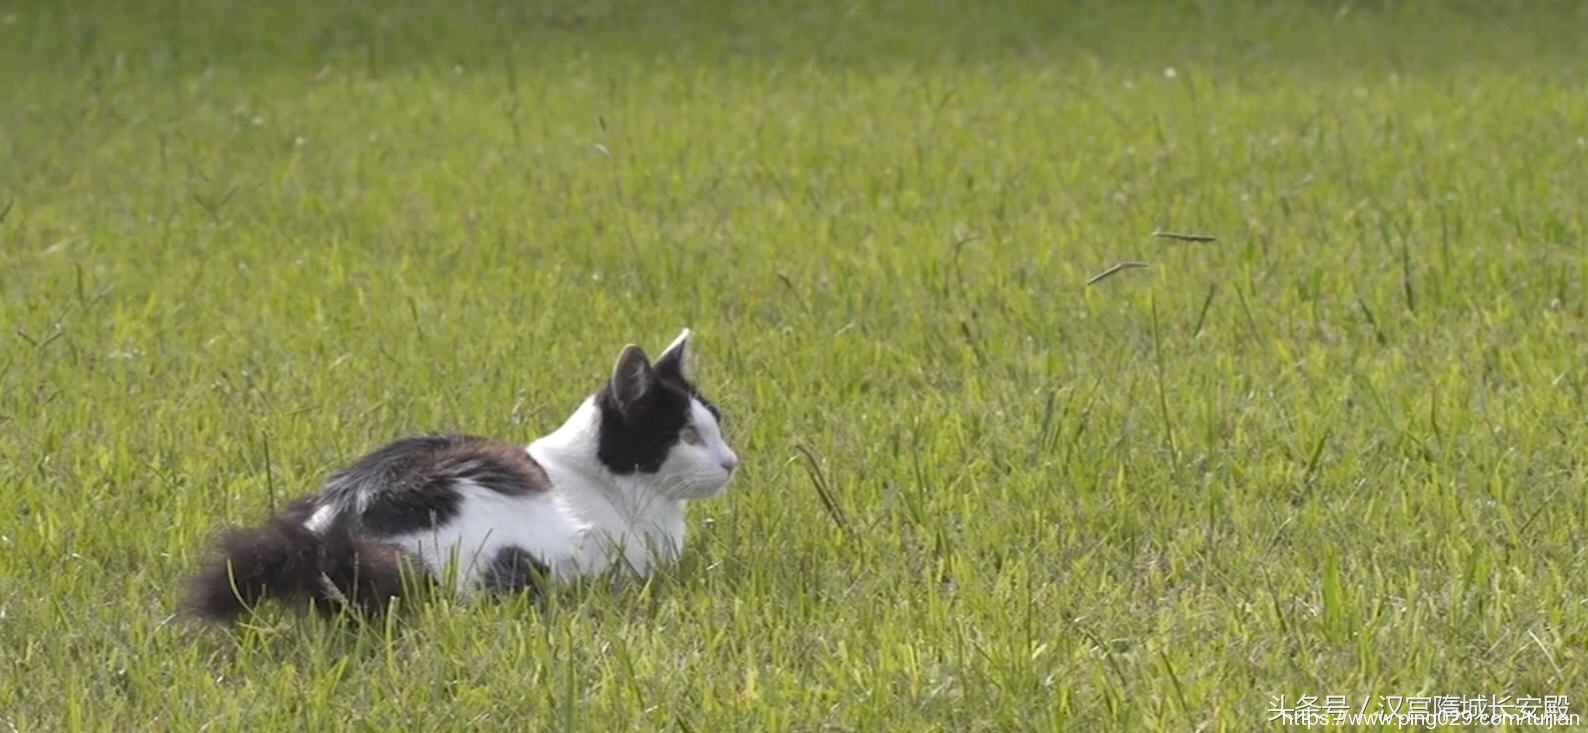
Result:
[{"x": 1340, "y": 450}]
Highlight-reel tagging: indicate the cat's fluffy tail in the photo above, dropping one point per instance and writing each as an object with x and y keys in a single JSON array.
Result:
[{"x": 285, "y": 560}]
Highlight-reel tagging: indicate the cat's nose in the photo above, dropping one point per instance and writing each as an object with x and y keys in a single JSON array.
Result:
[{"x": 730, "y": 462}]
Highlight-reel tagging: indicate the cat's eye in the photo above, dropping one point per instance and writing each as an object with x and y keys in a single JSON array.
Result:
[{"x": 689, "y": 435}]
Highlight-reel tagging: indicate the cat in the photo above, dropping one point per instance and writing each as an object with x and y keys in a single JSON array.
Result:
[{"x": 606, "y": 491}]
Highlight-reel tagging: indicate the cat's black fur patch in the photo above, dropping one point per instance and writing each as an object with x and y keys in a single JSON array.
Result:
[
  {"x": 636, "y": 436},
  {"x": 411, "y": 484},
  {"x": 369, "y": 574},
  {"x": 284, "y": 559},
  {"x": 514, "y": 570}
]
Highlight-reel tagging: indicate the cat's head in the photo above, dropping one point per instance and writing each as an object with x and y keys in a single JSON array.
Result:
[{"x": 655, "y": 424}]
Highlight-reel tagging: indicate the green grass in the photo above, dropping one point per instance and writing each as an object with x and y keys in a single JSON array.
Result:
[{"x": 1340, "y": 451}]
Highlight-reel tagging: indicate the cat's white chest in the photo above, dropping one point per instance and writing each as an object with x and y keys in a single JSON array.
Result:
[
  {"x": 620, "y": 522},
  {"x": 638, "y": 535},
  {"x": 612, "y": 535}
]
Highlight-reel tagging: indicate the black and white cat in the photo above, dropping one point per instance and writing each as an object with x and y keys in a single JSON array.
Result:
[{"x": 606, "y": 490}]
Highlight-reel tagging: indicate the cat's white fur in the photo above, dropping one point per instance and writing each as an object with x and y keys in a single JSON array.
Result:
[{"x": 591, "y": 518}]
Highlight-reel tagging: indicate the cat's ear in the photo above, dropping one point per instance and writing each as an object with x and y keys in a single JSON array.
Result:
[
  {"x": 631, "y": 376},
  {"x": 675, "y": 361}
]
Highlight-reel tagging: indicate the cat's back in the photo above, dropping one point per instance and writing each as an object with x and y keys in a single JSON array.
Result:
[{"x": 422, "y": 482}]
